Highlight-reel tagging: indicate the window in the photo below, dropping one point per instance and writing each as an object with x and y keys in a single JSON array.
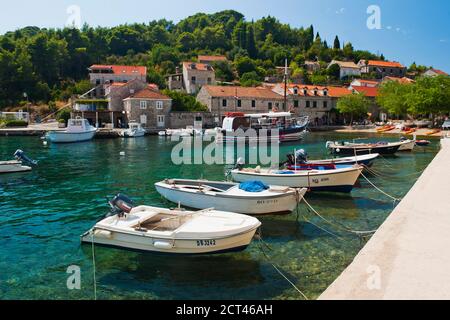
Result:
[
  {"x": 209, "y": 80},
  {"x": 159, "y": 105},
  {"x": 253, "y": 103},
  {"x": 161, "y": 121},
  {"x": 295, "y": 103},
  {"x": 97, "y": 82},
  {"x": 325, "y": 92},
  {"x": 239, "y": 103},
  {"x": 296, "y": 91},
  {"x": 308, "y": 104},
  {"x": 224, "y": 102},
  {"x": 194, "y": 79},
  {"x": 315, "y": 104},
  {"x": 325, "y": 104},
  {"x": 270, "y": 106},
  {"x": 143, "y": 105}
]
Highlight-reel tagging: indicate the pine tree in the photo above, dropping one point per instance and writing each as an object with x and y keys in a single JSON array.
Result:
[
  {"x": 251, "y": 45},
  {"x": 337, "y": 43}
]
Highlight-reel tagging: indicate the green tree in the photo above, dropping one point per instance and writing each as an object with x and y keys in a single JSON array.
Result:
[
  {"x": 392, "y": 97},
  {"x": 337, "y": 43},
  {"x": 355, "y": 105}
]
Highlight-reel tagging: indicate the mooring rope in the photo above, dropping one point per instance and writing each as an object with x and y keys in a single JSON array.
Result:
[
  {"x": 323, "y": 229},
  {"x": 93, "y": 264},
  {"x": 336, "y": 224},
  {"x": 277, "y": 268},
  {"x": 383, "y": 192}
]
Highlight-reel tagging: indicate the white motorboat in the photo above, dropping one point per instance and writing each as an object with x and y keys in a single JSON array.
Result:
[
  {"x": 78, "y": 130},
  {"x": 175, "y": 231},
  {"x": 341, "y": 179},
  {"x": 17, "y": 165},
  {"x": 134, "y": 130},
  {"x": 227, "y": 196},
  {"x": 300, "y": 159},
  {"x": 407, "y": 145}
]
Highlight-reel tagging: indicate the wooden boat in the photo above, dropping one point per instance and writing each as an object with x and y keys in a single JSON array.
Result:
[
  {"x": 17, "y": 165},
  {"x": 347, "y": 148},
  {"x": 261, "y": 127},
  {"x": 430, "y": 133},
  {"x": 134, "y": 130},
  {"x": 202, "y": 194},
  {"x": 386, "y": 129},
  {"x": 335, "y": 180},
  {"x": 366, "y": 160},
  {"x": 422, "y": 143},
  {"x": 407, "y": 145},
  {"x": 160, "y": 230},
  {"x": 78, "y": 130}
]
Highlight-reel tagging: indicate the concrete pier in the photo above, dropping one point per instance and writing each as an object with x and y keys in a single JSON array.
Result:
[{"x": 409, "y": 256}]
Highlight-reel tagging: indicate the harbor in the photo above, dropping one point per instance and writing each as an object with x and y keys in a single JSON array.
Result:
[
  {"x": 50, "y": 207},
  {"x": 408, "y": 253}
]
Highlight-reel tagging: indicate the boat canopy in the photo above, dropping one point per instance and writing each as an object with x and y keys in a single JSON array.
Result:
[{"x": 270, "y": 115}]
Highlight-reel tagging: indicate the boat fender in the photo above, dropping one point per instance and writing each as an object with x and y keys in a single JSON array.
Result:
[
  {"x": 163, "y": 245},
  {"x": 103, "y": 234}
]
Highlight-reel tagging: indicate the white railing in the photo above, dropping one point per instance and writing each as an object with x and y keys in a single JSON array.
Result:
[{"x": 15, "y": 115}]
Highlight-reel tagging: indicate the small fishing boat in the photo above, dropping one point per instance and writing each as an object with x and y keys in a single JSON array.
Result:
[
  {"x": 323, "y": 179},
  {"x": 172, "y": 231},
  {"x": 407, "y": 144},
  {"x": 253, "y": 198},
  {"x": 134, "y": 130},
  {"x": 261, "y": 127},
  {"x": 430, "y": 133},
  {"x": 300, "y": 157},
  {"x": 17, "y": 165},
  {"x": 78, "y": 130},
  {"x": 422, "y": 143},
  {"x": 348, "y": 148}
]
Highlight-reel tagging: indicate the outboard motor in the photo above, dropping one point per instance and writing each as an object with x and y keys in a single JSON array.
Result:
[
  {"x": 21, "y": 156},
  {"x": 301, "y": 156},
  {"x": 121, "y": 205},
  {"x": 239, "y": 164}
]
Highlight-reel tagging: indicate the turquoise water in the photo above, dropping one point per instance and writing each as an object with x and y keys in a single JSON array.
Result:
[{"x": 42, "y": 214}]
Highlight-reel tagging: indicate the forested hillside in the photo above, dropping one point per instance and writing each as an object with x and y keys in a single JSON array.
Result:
[{"x": 50, "y": 64}]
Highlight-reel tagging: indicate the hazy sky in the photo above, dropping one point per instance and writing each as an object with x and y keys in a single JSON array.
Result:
[{"x": 410, "y": 31}]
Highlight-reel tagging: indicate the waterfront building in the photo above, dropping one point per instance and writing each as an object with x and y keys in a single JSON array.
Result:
[{"x": 148, "y": 107}]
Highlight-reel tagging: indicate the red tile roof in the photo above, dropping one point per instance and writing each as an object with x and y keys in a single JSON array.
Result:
[
  {"x": 368, "y": 91},
  {"x": 334, "y": 92},
  {"x": 149, "y": 94},
  {"x": 403, "y": 80},
  {"x": 242, "y": 92},
  {"x": 212, "y": 58},
  {"x": 198, "y": 66},
  {"x": 440, "y": 72},
  {"x": 372, "y": 82},
  {"x": 385, "y": 64},
  {"x": 121, "y": 70}
]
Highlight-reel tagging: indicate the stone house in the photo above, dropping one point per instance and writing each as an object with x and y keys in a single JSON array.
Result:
[
  {"x": 312, "y": 66},
  {"x": 317, "y": 102},
  {"x": 196, "y": 75},
  {"x": 223, "y": 99},
  {"x": 435, "y": 73},
  {"x": 347, "y": 69},
  {"x": 149, "y": 108},
  {"x": 382, "y": 68},
  {"x": 103, "y": 75}
]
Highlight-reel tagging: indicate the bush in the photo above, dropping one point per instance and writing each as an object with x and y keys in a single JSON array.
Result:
[
  {"x": 184, "y": 102},
  {"x": 63, "y": 116},
  {"x": 14, "y": 123}
]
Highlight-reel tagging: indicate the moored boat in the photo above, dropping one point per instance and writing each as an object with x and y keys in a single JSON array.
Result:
[
  {"x": 324, "y": 179},
  {"x": 160, "y": 230},
  {"x": 134, "y": 130},
  {"x": 78, "y": 130},
  {"x": 347, "y": 148},
  {"x": 17, "y": 165},
  {"x": 301, "y": 158},
  {"x": 202, "y": 194}
]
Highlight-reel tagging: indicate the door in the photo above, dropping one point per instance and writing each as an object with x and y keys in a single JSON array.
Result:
[
  {"x": 161, "y": 121},
  {"x": 144, "y": 120}
]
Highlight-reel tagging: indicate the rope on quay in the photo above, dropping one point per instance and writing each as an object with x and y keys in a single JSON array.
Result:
[
  {"x": 277, "y": 268},
  {"x": 338, "y": 225},
  {"x": 93, "y": 264}
]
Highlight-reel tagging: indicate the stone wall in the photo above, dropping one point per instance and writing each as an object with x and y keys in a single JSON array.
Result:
[
  {"x": 150, "y": 114},
  {"x": 179, "y": 120}
]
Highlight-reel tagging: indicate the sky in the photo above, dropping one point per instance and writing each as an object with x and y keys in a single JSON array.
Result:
[{"x": 404, "y": 30}]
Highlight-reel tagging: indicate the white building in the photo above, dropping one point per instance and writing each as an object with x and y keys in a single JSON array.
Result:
[{"x": 347, "y": 68}]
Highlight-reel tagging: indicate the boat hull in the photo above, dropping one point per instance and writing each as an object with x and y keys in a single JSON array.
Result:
[
  {"x": 347, "y": 150},
  {"x": 254, "y": 205},
  {"x": 13, "y": 167},
  {"x": 342, "y": 180},
  {"x": 407, "y": 146},
  {"x": 70, "y": 137},
  {"x": 366, "y": 160},
  {"x": 139, "y": 242}
]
